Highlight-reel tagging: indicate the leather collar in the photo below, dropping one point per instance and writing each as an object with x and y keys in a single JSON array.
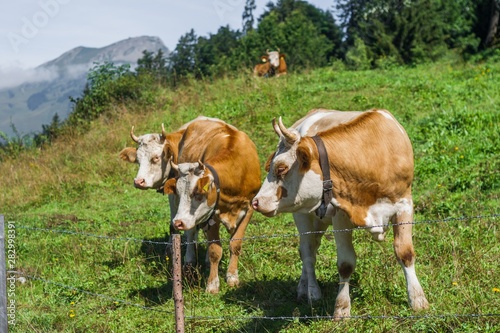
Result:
[{"x": 327, "y": 182}]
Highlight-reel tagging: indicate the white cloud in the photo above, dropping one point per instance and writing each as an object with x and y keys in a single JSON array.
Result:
[{"x": 13, "y": 76}]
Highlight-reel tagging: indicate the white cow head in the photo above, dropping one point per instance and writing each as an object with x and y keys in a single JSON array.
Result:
[
  {"x": 197, "y": 194},
  {"x": 291, "y": 184},
  {"x": 274, "y": 58},
  {"x": 150, "y": 155}
]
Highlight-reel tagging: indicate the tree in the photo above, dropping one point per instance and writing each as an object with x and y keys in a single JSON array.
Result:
[
  {"x": 408, "y": 31},
  {"x": 153, "y": 65},
  {"x": 49, "y": 132},
  {"x": 487, "y": 16},
  {"x": 182, "y": 60},
  {"x": 247, "y": 17},
  {"x": 215, "y": 55}
]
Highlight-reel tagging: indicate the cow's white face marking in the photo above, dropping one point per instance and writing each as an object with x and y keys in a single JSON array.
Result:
[
  {"x": 285, "y": 188},
  {"x": 274, "y": 58},
  {"x": 193, "y": 204},
  {"x": 152, "y": 168}
]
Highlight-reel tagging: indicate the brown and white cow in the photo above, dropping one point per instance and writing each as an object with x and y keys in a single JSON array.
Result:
[
  {"x": 370, "y": 162},
  {"x": 273, "y": 64},
  {"x": 218, "y": 175},
  {"x": 153, "y": 154}
]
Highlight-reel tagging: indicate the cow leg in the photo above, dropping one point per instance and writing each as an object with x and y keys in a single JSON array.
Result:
[
  {"x": 346, "y": 263},
  {"x": 235, "y": 243},
  {"x": 190, "y": 267},
  {"x": 214, "y": 257},
  {"x": 191, "y": 240},
  {"x": 405, "y": 254},
  {"x": 309, "y": 244}
]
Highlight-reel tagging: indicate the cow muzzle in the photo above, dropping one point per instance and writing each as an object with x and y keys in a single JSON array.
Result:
[
  {"x": 257, "y": 207},
  {"x": 140, "y": 183},
  {"x": 179, "y": 225}
]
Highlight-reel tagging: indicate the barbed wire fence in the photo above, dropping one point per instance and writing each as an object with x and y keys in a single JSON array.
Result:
[{"x": 21, "y": 275}]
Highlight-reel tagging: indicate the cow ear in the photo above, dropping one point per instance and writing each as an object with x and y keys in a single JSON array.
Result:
[
  {"x": 169, "y": 187},
  {"x": 264, "y": 59},
  {"x": 304, "y": 158},
  {"x": 203, "y": 185},
  {"x": 269, "y": 160},
  {"x": 282, "y": 55},
  {"x": 167, "y": 151},
  {"x": 129, "y": 154}
]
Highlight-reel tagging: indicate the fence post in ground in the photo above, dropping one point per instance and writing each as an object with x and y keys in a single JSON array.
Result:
[
  {"x": 177, "y": 283},
  {"x": 3, "y": 280}
]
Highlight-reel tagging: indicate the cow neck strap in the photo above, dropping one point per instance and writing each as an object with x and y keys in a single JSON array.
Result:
[
  {"x": 205, "y": 225},
  {"x": 327, "y": 182}
]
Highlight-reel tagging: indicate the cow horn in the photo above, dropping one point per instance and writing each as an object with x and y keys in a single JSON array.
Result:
[
  {"x": 174, "y": 166},
  {"x": 133, "y": 136},
  {"x": 278, "y": 50},
  {"x": 276, "y": 127},
  {"x": 267, "y": 51},
  {"x": 201, "y": 166},
  {"x": 163, "y": 132},
  {"x": 289, "y": 136}
]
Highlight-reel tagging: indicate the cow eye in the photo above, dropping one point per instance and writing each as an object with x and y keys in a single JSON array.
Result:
[
  {"x": 155, "y": 159},
  {"x": 281, "y": 171},
  {"x": 197, "y": 196}
]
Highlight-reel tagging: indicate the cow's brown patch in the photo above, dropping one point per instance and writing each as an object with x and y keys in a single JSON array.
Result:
[
  {"x": 345, "y": 270},
  {"x": 281, "y": 192},
  {"x": 304, "y": 158},
  {"x": 406, "y": 256},
  {"x": 268, "y": 162}
]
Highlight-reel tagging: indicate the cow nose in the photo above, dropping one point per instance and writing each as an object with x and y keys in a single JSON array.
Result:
[
  {"x": 139, "y": 182},
  {"x": 255, "y": 204},
  {"x": 179, "y": 225}
]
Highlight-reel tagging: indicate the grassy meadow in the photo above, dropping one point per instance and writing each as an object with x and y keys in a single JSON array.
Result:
[{"x": 120, "y": 283}]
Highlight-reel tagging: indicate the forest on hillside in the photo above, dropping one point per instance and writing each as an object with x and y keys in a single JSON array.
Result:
[
  {"x": 363, "y": 34},
  {"x": 352, "y": 35}
]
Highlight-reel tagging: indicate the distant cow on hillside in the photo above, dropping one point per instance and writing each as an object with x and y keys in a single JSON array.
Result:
[{"x": 273, "y": 64}]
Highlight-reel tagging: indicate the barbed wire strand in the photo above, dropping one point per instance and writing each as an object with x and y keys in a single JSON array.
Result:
[
  {"x": 286, "y": 318},
  {"x": 361, "y": 317},
  {"x": 77, "y": 233},
  {"x": 90, "y": 293},
  {"x": 277, "y": 318}
]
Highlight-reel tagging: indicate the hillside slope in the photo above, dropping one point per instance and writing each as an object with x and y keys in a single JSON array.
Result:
[{"x": 80, "y": 184}]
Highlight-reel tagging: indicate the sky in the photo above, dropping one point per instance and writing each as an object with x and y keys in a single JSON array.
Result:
[{"x": 33, "y": 32}]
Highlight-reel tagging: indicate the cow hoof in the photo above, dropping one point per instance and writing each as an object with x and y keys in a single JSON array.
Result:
[
  {"x": 213, "y": 286},
  {"x": 419, "y": 303},
  {"x": 312, "y": 294},
  {"x": 342, "y": 308},
  {"x": 342, "y": 314},
  {"x": 232, "y": 280}
]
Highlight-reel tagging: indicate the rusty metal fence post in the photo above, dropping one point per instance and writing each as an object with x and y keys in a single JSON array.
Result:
[{"x": 177, "y": 283}]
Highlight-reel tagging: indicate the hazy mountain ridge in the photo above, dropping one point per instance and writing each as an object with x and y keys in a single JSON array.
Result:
[{"x": 30, "y": 105}]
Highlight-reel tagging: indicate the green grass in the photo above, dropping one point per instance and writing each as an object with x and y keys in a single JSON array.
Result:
[{"x": 79, "y": 184}]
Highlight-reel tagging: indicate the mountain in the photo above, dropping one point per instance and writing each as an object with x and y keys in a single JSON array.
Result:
[{"x": 30, "y": 105}]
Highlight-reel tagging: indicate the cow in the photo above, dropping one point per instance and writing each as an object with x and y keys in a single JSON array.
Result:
[
  {"x": 218, "y": 174},
  {"x": 273, "y": 64},
  {"x": 264, "y": 68},
  {"x": 153, "y": 155},
  {"x": 351, "y": 169}
]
